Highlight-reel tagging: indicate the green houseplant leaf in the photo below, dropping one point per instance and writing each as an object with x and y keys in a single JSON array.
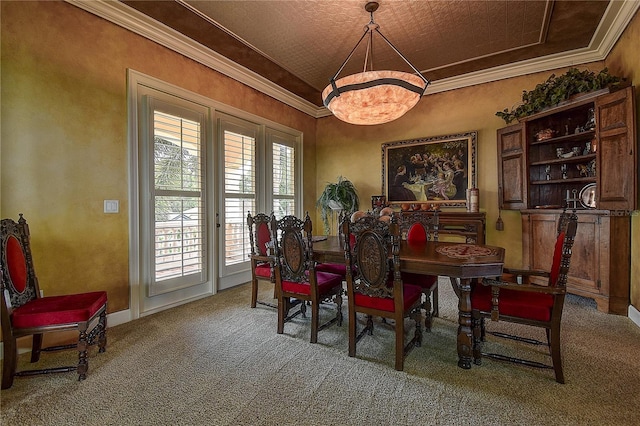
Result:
[{"x": 341, "y": 195}]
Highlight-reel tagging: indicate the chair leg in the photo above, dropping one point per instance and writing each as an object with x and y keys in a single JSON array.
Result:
[
  {"x": 283, "y": 308},
  {"x": 400, "y": 344},
  {"x": 83, "y": 362},
  {"x": 10, "y": 361},
  {"x": 417, "y": 336},
  {"x": 428, "y": 316},
  {"x": 315, "y": 320},
  {"x": 36, "y": 347},
  {"x": 338, "y": 300},
  {"x": 102, "y": 336},
  {"x": 254, "y": 292},
  {"x": 434, "y": 302},
  {"x": 556, "y": 356},
  {"x": 352, "y": 332}
]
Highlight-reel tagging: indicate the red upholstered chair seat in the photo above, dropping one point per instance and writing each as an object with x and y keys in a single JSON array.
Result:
[
  {"x": 521, "y": 304},
  {"x": 411, "y": 293},
  {"x": 56, "y": 310},
  {"x": 263, "y": 270},
  {"x": 334, "y": 268},
  {"x": 326, "y": 282}
]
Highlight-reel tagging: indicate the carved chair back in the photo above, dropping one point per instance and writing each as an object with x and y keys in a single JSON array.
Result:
[
  {"x": 419, "y": 226},
  {"x": 567, "y": 227},
  {"x": 19, "y": 282},
  {"x": 293, "y": 248},
  {"x": 259, "y": 233},
  {"x": 372, "y": 254}
]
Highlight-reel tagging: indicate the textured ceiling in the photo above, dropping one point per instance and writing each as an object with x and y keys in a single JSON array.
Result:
[{"x": 301, "y": 44}]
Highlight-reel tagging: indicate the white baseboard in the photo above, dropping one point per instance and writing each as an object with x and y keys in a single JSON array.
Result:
[
  {"x": 113, "y": 319},
  {"x": 634, "y": 315}
]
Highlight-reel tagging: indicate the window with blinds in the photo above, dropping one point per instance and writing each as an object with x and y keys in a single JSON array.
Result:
[
  {"x": 177, "y": 194},
  {"x": 259, "y": 177},
  {"x": 284, "y": 185},
  {"x": 240, "y": 193}
]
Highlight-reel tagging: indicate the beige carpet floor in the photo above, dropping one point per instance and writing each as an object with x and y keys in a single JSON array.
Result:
[{"x": 218, "y": 362}]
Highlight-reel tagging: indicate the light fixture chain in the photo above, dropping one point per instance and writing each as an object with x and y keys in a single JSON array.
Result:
[{"x": 403, "y": 57}]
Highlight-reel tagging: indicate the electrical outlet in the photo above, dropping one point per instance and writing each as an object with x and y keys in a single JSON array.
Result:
[{"x": 111, "y": 206}]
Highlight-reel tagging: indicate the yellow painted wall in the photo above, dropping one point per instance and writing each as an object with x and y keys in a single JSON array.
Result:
[
  {"x": 624, "y": 59},
  {"x": 64, "y": 136}
]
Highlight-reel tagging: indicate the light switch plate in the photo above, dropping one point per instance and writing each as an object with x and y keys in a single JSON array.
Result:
[{"x": 111, "y": 206}]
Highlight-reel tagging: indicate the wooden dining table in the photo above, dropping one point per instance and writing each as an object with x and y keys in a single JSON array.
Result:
[{"x": 465, "y": 264}]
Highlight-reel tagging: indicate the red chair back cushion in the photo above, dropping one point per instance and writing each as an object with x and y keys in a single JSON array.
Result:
[
  {"x": 416, "y": 234},
  {"x": 16, "y": 264},
  {"x": 264, "y": 236},
  {"x": 557, "y": 257}
]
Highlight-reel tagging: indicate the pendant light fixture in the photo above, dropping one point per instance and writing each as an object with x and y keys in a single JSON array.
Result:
[{"x": 373, "y": 97}]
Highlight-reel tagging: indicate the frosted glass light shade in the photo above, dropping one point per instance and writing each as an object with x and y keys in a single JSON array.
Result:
[{"x": 373, "y": 97}]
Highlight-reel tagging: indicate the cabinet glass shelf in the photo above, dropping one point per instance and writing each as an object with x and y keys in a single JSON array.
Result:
[
  {"x": 576, "y": 159},
  {"x": 570, "y": 180},
  {"x": 575, "y": 137}
]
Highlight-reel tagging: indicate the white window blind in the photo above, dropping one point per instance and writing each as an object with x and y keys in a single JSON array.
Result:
[
  {"x": 284, "y": 172},
  {"x": 240, "y": 186},
  {"x": 177, "y": 194}
]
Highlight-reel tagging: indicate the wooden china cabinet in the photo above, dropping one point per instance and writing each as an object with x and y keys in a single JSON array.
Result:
[{"x": 582, "y": 154}]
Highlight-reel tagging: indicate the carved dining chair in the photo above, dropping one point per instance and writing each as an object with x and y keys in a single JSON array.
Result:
[
  {"x": 25, "y": 313},
  {"x": 417, "y": 227},
  {"x": 527, "y": 303},
  {"x": 261, "y": 268},
  {"x": 375, "y": 286},
  {"x": 335, "y": 268},
  {"x": 296, "y": 277}
]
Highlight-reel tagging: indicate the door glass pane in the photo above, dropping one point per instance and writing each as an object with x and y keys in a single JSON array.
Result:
[
  {"x": 179, "y": 222},
  {"x": 240, "y": 194},
  {"x": 283, "y": 180}
]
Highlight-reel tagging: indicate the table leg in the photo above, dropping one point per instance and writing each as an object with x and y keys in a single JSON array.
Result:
[{"x": 464, "y": 323}]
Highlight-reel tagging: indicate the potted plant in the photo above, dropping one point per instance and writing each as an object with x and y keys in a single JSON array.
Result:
[
  {"x": 340, "y": 196},
  {"x": 557, "y": 89}
]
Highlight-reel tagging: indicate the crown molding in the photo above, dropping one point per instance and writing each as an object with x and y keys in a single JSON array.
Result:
[
  {"x": 616, "y": 18},
  {"x": 126, "y": 17}
]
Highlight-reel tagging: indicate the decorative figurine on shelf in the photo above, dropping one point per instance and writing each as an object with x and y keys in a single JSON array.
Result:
[
  {"x": 591, "y": 120},
  {"x": 547, "y": 170},
  {"x": 584, "y": 170},
  {"x": 563, "y": 169},
  {"x": 587, "y": 149},
  {"x": 559, "y": 152}
]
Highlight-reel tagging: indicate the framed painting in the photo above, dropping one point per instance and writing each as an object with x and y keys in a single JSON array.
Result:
[{"x": 434, "y": 170}]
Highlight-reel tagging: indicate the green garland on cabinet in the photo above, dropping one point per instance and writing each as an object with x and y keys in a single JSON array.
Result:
[{"x": 558, "y": 89}]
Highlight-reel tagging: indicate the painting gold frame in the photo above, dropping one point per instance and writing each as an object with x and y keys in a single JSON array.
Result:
[{"x": 433, "y": 170}]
